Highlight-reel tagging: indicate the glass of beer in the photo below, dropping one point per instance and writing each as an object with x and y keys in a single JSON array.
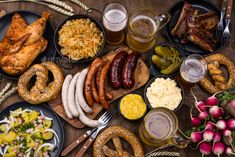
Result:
[
  {"x": 192, "y": 70},
  {"x": 115, "y": 19},
  {"x": 143, "y": 27},
  {"x": 160, "y": 127}
]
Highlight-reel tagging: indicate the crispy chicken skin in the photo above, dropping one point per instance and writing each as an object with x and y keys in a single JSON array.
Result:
[
  {"x": 18, "y": 62},
  {"x": 22, "y": 44},
  {"x": 16, "y": 30},
  {"x": 36, "y": 29},
  {"x": 8, "y": 47}
]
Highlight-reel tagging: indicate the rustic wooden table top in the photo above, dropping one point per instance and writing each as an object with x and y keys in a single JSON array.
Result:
[{"x": 160, "y": 6}]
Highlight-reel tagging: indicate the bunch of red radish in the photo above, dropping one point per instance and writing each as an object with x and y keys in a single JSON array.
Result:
[{"x": 213, "y": 128}]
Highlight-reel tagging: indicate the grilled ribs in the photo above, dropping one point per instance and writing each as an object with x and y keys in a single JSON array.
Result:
[{"x": 196, "y": 27}]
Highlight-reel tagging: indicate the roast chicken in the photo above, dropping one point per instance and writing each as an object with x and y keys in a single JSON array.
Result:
[
  {"x": 22, "y": 43},
  {"x": 198, "y": 28}
]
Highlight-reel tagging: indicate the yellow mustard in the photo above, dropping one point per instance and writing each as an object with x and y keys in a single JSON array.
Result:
[{"x": 132, "y": 106}]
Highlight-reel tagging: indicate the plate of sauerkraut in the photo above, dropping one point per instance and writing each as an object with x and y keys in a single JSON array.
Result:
[{"x": 30, "y": 131}]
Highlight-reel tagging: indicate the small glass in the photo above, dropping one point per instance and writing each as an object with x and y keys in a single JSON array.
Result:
[
  {"x": 143, "y": 27},
  {"x": 192, "y": 70},
  {"x": 115, "y": 19},
  {"x": 160, "y": 128}
]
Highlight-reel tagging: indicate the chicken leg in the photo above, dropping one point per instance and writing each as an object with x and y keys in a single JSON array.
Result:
[{"x": 36, "y": 29}]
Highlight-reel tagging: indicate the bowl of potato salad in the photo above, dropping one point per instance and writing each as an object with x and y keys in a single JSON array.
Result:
[{"x": 30, "y": 130}]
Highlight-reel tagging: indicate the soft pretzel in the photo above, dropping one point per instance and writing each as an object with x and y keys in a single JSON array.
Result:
[
  {"x": 40, "y": 92},
  {"x": 100, "y": 149},
  {"x": 220, "y": 83}
]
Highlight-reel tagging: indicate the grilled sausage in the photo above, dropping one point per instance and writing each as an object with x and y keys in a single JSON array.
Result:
[
  {"x": 115, "y": 73},
  {"x": 128, "y": 70},
  {"x": 94, "y": 91},
  {"x": 109, "y": 95},
  {"x": 102, "y": 92},
  {"x": 95, "y": 65}
]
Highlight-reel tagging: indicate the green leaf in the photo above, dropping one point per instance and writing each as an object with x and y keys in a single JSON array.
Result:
[
  {"x": 233, "y": 136},
  {"x": 189, "y": 132},
  {"x": 213, "y": 119}
]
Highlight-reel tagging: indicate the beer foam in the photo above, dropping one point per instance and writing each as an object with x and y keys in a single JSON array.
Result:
[
  {"x": 115, "y": 20},
  {"x": 143, "y": 17}
]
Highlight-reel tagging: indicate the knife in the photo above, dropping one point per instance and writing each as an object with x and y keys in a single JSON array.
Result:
[
  {"x": 73, "y": 145},
  {"x": 90, "y": 141}
]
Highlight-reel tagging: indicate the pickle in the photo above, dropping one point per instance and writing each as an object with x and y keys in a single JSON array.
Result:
[
  {"x": 162, "y": 51},
  {"x": 160, "y": 62},
  {"x": 47, "y": 135},
  {"x": 171, "y": 68}
]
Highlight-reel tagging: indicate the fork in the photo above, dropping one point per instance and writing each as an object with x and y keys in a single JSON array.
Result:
[
  {"x": 103, "y": 120},
  {"x": 226, "y": 33},
  {"x": 220, "y": 26}
]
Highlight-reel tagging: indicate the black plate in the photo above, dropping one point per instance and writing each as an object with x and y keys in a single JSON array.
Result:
[
  {"x": 30, "y": 17},
  {"x": 204, "y": 7},
  {"x": 154, "y": 70},
  {"x": 165, "y": 77},
  {"x": 47, "y": 111},
  {"x": 74, "y": 17}
]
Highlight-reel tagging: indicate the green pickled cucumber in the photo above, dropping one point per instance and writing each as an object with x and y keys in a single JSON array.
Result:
[
  {"x": 162, "y": 51},
  {"x": 171, "y": 68},
  {"x": 160, "y": 62}
]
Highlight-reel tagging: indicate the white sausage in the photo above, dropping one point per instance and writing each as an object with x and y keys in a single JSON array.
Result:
[
  {"x": 79, "y": 91},
  {"x": 64, "y": 95},
  {"x": 88, "y": 122},
  {"x": 71, "y": 96}
]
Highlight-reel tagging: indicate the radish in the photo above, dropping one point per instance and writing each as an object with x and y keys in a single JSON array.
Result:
[
  {"x": 205, "y": 148},
  {"x": 218, "y": 148},
  {"x": 208, "y": 135},
  {"x": 209, "y": 125},
  {"x": 200, "y": 105},
  {"x": 232, "y": 104},
  {"x": 231, "y": 124},
  {"x": 221, "y": 125},
  {"x": 196, "y": 136},
  {"x": 227, "y": 133},
  {"x": 211, "y": 101},
  {"x": 217, "y": 138},
  {"x": 203, "y": 115},
  {"x": 215, "y": 111},
  {"x": 228, "y": 151},
  {"x": 194, "y": 120}
]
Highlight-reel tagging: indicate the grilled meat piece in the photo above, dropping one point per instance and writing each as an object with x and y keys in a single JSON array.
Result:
[{"x": 196, "y": 27}]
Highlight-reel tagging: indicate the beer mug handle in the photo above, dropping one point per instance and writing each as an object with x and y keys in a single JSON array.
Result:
[
  {"x": 179, "y": 140},
  {"x": 90, "y": 10},
  {"x": 163, "y": 19}
]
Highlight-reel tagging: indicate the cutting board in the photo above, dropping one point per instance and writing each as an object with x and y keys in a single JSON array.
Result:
[{"x": 141, "y": 78}]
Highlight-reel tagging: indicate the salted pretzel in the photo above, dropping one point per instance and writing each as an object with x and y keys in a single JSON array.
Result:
[
  {"x": 100, "y": 149},
  {"x": 219, "y": 81},
  {"x": 40, "y": 92}
]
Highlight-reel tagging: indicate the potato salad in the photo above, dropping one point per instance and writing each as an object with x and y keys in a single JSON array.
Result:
[{"x": 25, "y": 133}]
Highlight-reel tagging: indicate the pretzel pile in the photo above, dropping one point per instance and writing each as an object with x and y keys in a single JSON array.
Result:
[
  {"x": 219, "y": 81},
  {"x": 114, "y": 133},
  {"x": 41, "y": 90}
]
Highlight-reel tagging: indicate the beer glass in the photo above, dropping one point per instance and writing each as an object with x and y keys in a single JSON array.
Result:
[
  {"x": 143, "y": 27},
  {"x": 115, "y": 19},
  {"x": 160, "y": 127},
  {"x": 192, "y": 70}
]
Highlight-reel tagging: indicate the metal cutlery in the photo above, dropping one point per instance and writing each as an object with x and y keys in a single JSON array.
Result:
[
  {"x": 226, "y": 34},
  {"x": 103, "y": 120},
  {"x": 220, "y": 26}
]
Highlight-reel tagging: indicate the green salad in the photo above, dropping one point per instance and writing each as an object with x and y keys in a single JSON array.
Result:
[{"x": 25, "y": 133}]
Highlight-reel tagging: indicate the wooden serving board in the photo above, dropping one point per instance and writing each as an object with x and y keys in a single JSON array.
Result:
[{"x": 141, "y": 77}]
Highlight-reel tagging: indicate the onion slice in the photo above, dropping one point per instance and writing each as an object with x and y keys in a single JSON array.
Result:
[
  {"x": 11, "y": 124},
  {"x": 1, "y": 151},
  {"x": 47, "y": 118},
  {"x": 5, "y": 149},
  {"x": 20, "y": 112},
  {"x": 5, "y": 120}
]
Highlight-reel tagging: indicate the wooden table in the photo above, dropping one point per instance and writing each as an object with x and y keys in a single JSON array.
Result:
[{"x": 160, "y": 6}]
